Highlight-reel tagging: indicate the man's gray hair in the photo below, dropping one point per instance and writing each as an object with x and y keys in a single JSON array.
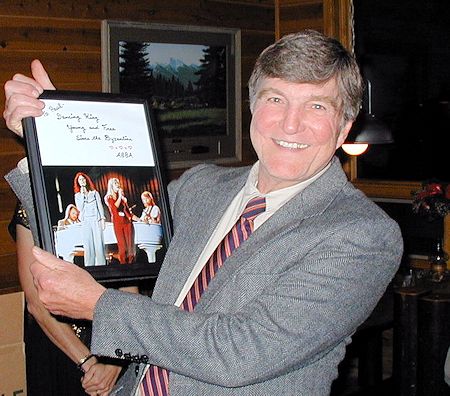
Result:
[{"x": 310, "y": 57}]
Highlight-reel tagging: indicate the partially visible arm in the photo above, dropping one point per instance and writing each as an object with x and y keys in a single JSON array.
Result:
[
  {"x": 447, "y": 368},
  {"x": 61, "y": 334},
  {"x": 79, "y": 202},
  {"x": 99, "y": 205},
  {"x": 101, "y": 212},
  {"x": 120, "y": 198},
  {"x": 155, "y": 214},
  {"x": 99, "y": 377}
]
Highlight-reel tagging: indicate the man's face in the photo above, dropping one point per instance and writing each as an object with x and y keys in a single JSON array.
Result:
[{"x": 295, "y": 130}]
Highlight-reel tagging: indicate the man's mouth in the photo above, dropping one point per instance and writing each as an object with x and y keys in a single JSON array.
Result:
[{"x": 290, "y": 145}]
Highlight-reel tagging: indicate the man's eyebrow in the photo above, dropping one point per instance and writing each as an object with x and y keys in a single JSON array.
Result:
[{"x": 266, "y": 91}]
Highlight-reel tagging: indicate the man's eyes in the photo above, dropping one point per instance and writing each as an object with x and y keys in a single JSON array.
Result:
[{"x": 279, "y": 100}]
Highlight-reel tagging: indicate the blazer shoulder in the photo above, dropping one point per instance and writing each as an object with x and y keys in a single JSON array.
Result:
[
  {"x": 359, "y": 212},
  {"x": 200, "y": 176}
]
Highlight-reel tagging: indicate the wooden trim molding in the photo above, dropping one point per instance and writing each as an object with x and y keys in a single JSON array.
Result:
[
  {"x": 401, "y": 190},
  {"x": 338, "y": 21},
  {"x": 277, "y": 20}
]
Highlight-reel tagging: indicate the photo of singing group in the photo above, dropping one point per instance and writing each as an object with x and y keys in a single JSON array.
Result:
[{"x": 106, "y": 217}]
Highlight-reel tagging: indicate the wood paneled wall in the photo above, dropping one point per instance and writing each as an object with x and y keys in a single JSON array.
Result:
[
  {"x": 65, "y": 35},
  {"x": 295, "y": 15}
]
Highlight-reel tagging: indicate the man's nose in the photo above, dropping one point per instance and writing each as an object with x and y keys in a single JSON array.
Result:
[{"x": 292, "y": 119}]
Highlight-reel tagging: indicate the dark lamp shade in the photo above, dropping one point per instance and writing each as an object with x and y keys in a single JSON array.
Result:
[{"x": 367, "y": 129}]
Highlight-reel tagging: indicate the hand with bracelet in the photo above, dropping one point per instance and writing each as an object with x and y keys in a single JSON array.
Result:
[{"x": 98, "y": 378}]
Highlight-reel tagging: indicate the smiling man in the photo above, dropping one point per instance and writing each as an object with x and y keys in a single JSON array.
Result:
[
  {"x": 295, "y": 130},
  {"x": 271, "y": 268}
]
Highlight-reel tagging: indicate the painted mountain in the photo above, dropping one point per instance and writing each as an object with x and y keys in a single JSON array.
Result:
[
  {"x": 188, "y": 100},
  {"x": 177, "y": 69}
]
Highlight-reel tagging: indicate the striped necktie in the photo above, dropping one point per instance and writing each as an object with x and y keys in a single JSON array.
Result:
[{"x": 156, "y": 380}]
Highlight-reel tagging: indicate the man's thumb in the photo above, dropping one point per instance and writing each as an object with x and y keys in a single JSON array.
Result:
[
  {"x": 40, "y": 75},
  {"x": 46, "y": 259}
]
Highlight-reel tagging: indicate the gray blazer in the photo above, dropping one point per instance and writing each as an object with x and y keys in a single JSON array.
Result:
[{"x": 277, "y": 317}]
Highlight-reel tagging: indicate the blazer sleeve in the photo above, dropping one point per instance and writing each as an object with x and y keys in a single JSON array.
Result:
[
  {"x": 447, "y": 368},
  {"x": 21, "y": 185}
]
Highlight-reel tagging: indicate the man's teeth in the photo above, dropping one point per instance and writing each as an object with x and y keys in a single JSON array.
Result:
[{"x": 282, "y": 143}]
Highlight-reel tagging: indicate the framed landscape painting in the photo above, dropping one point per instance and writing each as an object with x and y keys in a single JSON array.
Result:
[{"x": 191, "y": 77}]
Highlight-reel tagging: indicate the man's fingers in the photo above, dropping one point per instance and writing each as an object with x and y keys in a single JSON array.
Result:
[
  {"x": 22, "y": 93},
  {"x": 24, "y": 85},
  {"x": 14, "y": 118},
  {"x": 87, "y": 378},
  {"x": 40, "y": 75},
  {"x": 63, "y": 287}
]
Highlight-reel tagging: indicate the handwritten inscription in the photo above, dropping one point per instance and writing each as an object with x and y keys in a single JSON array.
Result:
[{"x": 90, "y": 128}]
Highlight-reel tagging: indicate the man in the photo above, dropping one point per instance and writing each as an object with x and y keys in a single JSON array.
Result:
[{"x": 278, "y": 314}]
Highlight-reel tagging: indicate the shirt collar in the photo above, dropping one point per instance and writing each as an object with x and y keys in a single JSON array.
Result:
[{"x": 275, "y": 199}]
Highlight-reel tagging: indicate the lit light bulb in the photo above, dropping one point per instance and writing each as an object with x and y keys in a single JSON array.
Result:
[{"x": 354, "y": 148}]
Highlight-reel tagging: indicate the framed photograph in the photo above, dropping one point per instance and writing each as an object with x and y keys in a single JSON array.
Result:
[
  {"x": 191, "y": 77},
  {"x": 98, "y": 190}
]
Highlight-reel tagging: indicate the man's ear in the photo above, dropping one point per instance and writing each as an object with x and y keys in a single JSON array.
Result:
[{"x": 343, "y": 134}]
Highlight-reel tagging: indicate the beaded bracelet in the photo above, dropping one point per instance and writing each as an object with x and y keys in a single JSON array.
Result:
[{"x": 84, "y": 360}]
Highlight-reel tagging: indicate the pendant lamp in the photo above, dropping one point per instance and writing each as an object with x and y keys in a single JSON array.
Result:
[{"x": 366, "y": 129}]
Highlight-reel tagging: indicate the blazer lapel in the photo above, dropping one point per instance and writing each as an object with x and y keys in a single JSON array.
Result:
[
  {"x": 203, "y": 219},
  {"x": 310, "y": 202}
]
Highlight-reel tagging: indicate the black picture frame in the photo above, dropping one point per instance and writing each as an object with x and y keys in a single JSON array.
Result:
[
  {"x": 81, "y": 152},
  {"x": 192, "y": 77}
]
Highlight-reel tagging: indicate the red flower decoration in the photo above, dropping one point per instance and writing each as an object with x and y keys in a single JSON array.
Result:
[{"x": 432, "y": 200}]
